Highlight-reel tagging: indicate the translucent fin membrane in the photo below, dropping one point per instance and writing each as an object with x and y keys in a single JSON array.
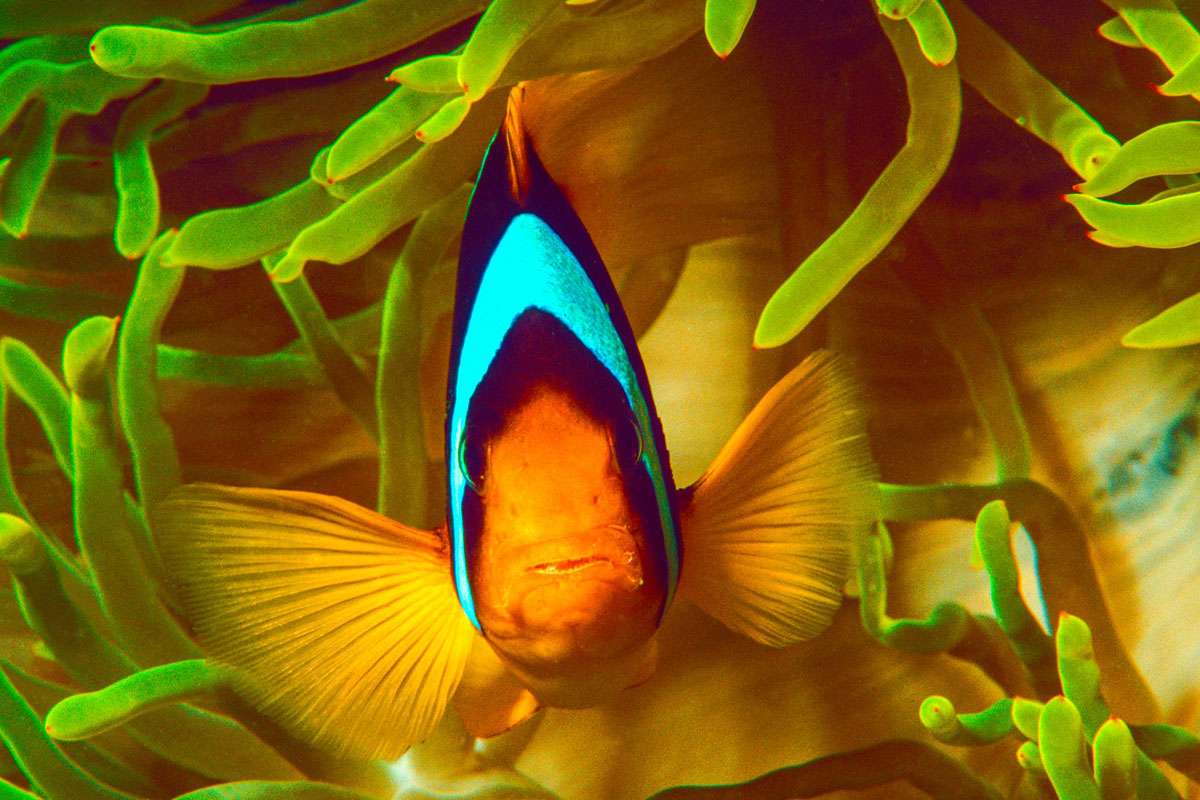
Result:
[
  {"x": 324, "y": 609},
  {"x": 769, "y": 528}
]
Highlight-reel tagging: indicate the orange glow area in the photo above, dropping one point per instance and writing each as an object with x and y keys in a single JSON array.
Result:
[{"x": 559, "y": 571}]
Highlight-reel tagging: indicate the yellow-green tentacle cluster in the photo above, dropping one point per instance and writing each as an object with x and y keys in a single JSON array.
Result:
[
  {"x": 1074, "y": 747},
  {"x": 1167, "y": 218},
  {"x": 198, "y": 137},
  {"x": 102, "y": 114}
]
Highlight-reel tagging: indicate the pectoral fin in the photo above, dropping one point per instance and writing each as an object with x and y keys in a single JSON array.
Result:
[
  {"x": 767, "y": 530},
  {"x": 490, "y": 699},
  {"x": 338, "y": 621}
]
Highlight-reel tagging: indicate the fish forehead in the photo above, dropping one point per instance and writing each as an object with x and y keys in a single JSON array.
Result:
[
  {"x": 550, "y": 432},
  {"x": 552, "y": 477},
  {"x": 532, "y": 268}
]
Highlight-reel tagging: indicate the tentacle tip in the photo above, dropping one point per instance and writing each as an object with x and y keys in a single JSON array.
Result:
[
  {"x": 768, "y": 336},
  {"x": 131, "y": 251},
  {"x": 419, "y": 135},
  {"x": 1076, "y": 187}
]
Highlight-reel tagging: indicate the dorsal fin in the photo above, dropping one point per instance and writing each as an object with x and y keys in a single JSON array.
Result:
[{"x": 519, "y": 176}]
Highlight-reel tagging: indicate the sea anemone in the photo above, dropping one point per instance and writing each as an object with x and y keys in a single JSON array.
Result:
[{"x": 761, "y": 180}]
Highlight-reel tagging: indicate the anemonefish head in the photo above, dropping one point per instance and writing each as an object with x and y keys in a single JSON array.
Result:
[{"x": 562, "y": 506}]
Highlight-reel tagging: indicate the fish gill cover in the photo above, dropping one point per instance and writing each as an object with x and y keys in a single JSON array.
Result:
[{"x": 228, "y": 255}]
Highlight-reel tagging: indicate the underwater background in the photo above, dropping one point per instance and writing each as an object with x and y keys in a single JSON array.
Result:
[{"x": 228, "y": 255}]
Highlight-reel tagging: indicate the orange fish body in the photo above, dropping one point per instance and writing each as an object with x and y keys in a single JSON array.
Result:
[{"x": 562, "y": 513}]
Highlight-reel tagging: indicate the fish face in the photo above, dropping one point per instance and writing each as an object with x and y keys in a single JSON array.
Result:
[
  {"x": 559, "y": 543},
  {"x": 562, "y": 510},
  {"x": 561, "y": 565},
  {"x": 559, "y": 509}
]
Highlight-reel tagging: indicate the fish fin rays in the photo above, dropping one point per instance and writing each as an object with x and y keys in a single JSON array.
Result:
[
  {"x": 517, "y": 139},
  {"x": 768, "y": 530},
  {"x": 490, "y": 700},
  {"x": 337, "y": 621}
]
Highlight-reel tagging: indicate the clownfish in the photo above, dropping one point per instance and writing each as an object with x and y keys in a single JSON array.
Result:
[{"x": 566, "y": 541}]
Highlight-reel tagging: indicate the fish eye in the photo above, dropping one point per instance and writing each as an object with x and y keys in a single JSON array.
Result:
[
  {"x": 470, "y": 463},
  {"x": 625, "y": 439}
]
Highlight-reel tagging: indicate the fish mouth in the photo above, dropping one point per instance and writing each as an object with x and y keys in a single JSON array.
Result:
[
  {"x": 569, "y": 565},
  {"x": 601, "y": 548},
  {"x": 564, "y": 593},
  {"x": 575, "y": 599}
]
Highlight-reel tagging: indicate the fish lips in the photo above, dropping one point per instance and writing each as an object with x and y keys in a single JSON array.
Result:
[{"x": 572, "y": 604}]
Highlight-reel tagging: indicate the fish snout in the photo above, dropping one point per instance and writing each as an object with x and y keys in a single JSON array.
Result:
[{"x": 572, "y": 603}]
